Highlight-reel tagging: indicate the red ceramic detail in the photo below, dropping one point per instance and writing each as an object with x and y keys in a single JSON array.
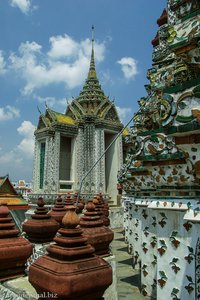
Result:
[
  {"x": 155, "y": 41},
  {"x": 163, "y": 18}
]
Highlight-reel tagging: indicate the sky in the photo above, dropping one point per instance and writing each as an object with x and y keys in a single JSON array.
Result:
[{"x": 45, "y": 49}]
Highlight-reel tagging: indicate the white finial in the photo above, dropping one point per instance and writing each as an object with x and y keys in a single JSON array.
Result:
[{"x": 92, "y": 35}]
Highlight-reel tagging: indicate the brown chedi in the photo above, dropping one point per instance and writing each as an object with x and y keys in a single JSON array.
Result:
[
  {"x": 105, "y": 205},
  {"x": 68, "y": 200},
  {"x": 102, "y": 210},
  {"x": 106, "y": 209},
  {"x": 70, "y": 270},
  {"x": 98, "y": 235},
  {"x": 58, "y": 211},
  {"x": 14, "y": 249},
  {"x": 41, "y": 228},
  {"x": 78, "y": 204}
]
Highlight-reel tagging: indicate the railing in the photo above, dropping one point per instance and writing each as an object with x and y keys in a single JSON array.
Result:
[{"x": 50, "y": 198}]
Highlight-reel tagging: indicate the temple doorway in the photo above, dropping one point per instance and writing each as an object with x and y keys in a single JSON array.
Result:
[{"x": 65, "y": 162}]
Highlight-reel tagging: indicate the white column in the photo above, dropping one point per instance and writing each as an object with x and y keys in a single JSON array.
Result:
[
  {"x": 79, "y": 156},
  {"x": 99, "y": 171},
  {"x": 73, "y": 167},
  {"x": 115, "y": 157},
  {"x": 50, "y": 186},
  {"x": 46, "y": 167},
  {"x": 36, "y": 167},
  {"x": 55, "y": 165}
]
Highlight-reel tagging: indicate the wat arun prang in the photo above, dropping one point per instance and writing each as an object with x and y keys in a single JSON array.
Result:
[{"x": 161, "y": 175}]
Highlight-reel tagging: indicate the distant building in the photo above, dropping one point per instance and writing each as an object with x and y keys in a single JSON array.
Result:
[
  {"x": 67, "y": 145},
  {"x": 23, "y": 188},
  {"x": 9, "y": 195}
]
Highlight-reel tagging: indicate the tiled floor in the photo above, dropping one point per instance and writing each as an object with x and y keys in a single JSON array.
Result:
[{"x": 128, "y": 279}]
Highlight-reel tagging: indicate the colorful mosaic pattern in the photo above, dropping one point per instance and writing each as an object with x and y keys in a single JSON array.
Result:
[{"x": 198, "y": 270}]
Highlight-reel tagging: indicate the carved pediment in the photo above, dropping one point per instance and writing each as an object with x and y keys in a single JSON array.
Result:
[
  {"x": 43, "y": 122},
  {"x": 112, "y": 115}
]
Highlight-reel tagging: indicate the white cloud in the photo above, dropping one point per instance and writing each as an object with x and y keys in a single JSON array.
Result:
[
  {"x": 17, "y": 162},
  {"x": 2, "y": 63},
  {"x": 10, "y": 158},
  {"x": 52, "y": 101},
  {"x": 124, "y": 113},
  {"x": 23, "y": 5},
  {"x": 26, "y": 146},
  {"x": 8, "y": 112},
  {"x": 62, "y": 46},
  {"x": 66, "y": 62},
  {"x": 128, "y": 66},
  {"x": 28, "y": 49},
  {"x": 26, "y": 129}
]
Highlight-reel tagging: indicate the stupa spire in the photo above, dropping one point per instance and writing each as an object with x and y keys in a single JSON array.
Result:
[{"x": 92, "y": 70}]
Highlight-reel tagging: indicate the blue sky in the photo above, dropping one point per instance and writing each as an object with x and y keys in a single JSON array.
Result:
[{"x": 44, "y": 57}]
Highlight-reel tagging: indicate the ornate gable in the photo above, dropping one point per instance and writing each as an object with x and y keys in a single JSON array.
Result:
[
  {"x": 6, "y": 186},
  {"x": 92, "y": 101},
  {"x": 112, "y": 115},
  {"x": 43, "y": 122}
]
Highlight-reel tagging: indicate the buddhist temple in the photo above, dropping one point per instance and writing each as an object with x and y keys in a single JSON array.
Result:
[
  {"x": 9, "y": 195},
  {"x": 67, "y": 145},
  {"x": 158, "y": 180},
  {"x": 161, "y": 174}
]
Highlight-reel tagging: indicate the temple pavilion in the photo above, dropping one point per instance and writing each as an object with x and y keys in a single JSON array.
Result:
[{"x": 67, "y": 145}]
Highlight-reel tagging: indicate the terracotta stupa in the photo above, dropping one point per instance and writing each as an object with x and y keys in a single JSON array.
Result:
[
  {"x": 41, "y": 228},
  {"x": 58, "y": 211},
  {"x": 68, "y": 200},
  {"x": 80, "y": 205},
  {"x": 70, "y": 270},
  {"x": 102, "y": 210},
  {"x": 105, "y": 205},
  {"x": 98, "y": 235},
  {"x": 14, "y": 249}
]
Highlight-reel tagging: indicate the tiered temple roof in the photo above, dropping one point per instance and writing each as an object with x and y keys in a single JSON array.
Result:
[
  {"x": 9, "y": 195},
  {"x": 92, "y": 100},
  {"x": 91, "y": 104}
]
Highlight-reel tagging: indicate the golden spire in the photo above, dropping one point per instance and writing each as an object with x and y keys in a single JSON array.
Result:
[{"x": 92, "y": 70}]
